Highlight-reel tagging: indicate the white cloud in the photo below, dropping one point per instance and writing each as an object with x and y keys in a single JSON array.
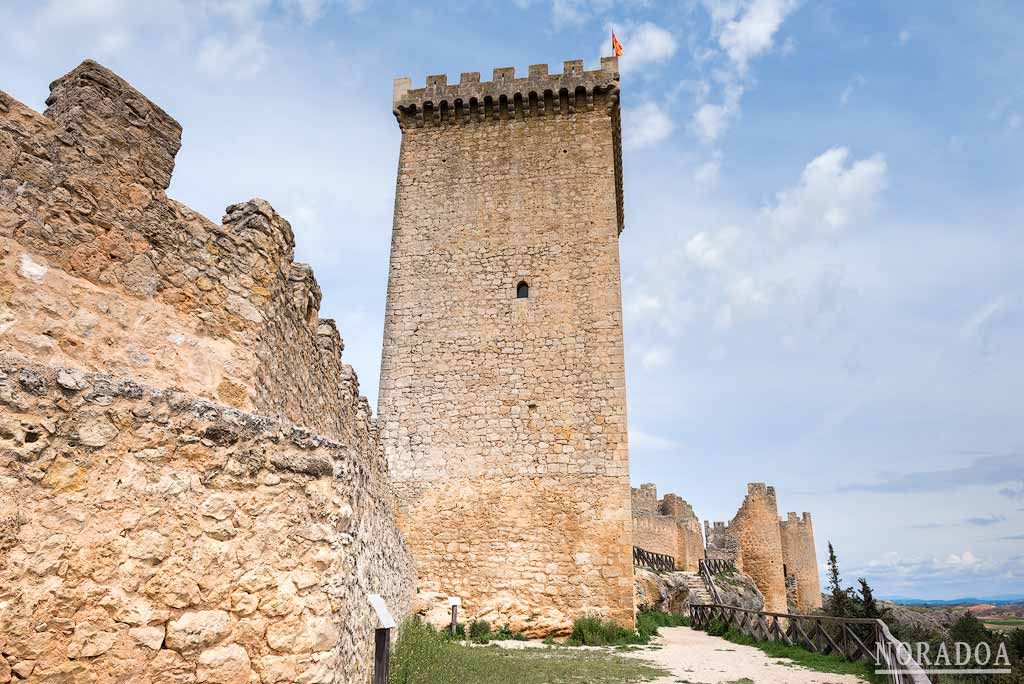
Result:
[
  {"x": 743, "y": 30},
  {"x": 831, "y": 195},
  {"x": 710, "y": 249},
  {"x": 904, "y": 36},
  {"x": 706, "y": 175},
  {"x": 242, "y": 54},
  {"x": 642, "y": 44},
  {"x": 655, "y": 358},
  {"x": 710, "y": 121},
  {"x": 749, "y": 32},
  {"x": 641, "y": 440},
  {"x": 645, "y": 125},
  {"x": 983, "y": 325},
  {"x": 855, "y": 83},
  {"x": 900, "y": 572}
]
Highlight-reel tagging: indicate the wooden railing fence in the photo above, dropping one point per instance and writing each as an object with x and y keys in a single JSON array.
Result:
[
  {"x": 717, "y": 565},
  {"x": 850, "y": 638},
  {"x": 655, "y": 561}
]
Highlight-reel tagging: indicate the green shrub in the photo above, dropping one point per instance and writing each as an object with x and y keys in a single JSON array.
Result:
[
  {"x": 592, "y": 631},
  {"x": 506, "y": 634},
  {"x": 480, "y": 630},
  {"x": 648, "y": 622},
  {"x": 716, "y": 628}
]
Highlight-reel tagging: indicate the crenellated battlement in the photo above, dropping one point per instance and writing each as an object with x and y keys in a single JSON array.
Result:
[
  {"x": 794, "y": 519},
  {"x": 505, "y": 96}
]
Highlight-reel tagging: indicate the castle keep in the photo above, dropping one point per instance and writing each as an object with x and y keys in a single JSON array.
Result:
[
  {"x": 778, "y": 554},
  {"x": 502, "y": 395}
]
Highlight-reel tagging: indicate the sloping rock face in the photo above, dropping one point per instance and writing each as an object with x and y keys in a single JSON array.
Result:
[
  {"x": 738, "y": 589},
  {"x": 153, "y": 527},
  {"x": 675, "y": 592}
]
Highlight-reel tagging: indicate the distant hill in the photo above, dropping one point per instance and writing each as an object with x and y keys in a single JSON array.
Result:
[{"x": 1000, "y": 600}]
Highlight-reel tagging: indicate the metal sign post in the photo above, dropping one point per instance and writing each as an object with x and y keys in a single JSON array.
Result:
[{"x": 381, "y": 640}]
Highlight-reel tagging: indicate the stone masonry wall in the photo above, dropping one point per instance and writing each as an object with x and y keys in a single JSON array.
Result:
[
  {"x": 756, "y": 529},
  {"x": 152, "y": 527},
  {"x": 504, "y": 419},
  {"x": 800, "y": 559},
  {"x": 667, "y": 523},
  {"x": 170, "y": 297},
  {"x": 657, "y": 534}
]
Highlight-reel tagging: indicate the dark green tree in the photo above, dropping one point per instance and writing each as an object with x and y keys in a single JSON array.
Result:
[
  {"x": 868, "y": 607},
  {"x": 841, "y": 601}
]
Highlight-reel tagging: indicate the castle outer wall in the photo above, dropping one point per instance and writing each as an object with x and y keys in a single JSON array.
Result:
[
  {"x": 668, "y": 526},
  {"x": 191, "y": 486},
  {"x": 503, "y": 418}
]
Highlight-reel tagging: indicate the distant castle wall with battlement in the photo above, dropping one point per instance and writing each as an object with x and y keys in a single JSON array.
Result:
[
  {"x": 778, "y": 554},
  {"x": 668, "y": 526}
]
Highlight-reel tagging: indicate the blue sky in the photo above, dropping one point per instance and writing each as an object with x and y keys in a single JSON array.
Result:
[{"x": 823, "y": 245}]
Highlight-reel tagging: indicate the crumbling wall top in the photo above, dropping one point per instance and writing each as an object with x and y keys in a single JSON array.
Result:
[{"x": 99, "y": 111}]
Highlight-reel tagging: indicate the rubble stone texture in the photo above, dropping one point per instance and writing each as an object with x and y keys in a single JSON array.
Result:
[
  {"x": 667, "y": 526},
  {"x": 778, "y": 554},
  {"x": 163, "y": 517},
  {"x": 504, "y": 418}
]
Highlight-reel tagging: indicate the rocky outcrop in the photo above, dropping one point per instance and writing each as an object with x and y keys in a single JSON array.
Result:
[
  {"x": 675, "y": 592},
  {"x": 670, "y": 592},
  {"x": 737, "y": 589}
]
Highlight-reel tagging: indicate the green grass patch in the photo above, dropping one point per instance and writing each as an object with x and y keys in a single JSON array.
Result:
[
  {"x": 801, "y": 656},
  {"x": 590, "y": 631},
  {"x": 424, "y": 656}
]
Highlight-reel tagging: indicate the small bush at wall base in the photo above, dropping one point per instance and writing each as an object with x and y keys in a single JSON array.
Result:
[
  {"x": 591, "y": 631},
  {"x": 479, "y": 630}
]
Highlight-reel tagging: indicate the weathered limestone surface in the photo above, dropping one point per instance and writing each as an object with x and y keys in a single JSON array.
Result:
[
  {"x": 800, "y": 560},
  {"x": 96, "y": 256},
  {"x": 153, "y": 528},
  {"x": 504, "y": 419},
  {"x": 778, "y": 554},
  {"x": 668, "y": 525},
  {"x": 755, "y": 528}
]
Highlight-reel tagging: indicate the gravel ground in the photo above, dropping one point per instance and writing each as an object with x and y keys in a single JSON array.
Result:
[{"x": 697, "y": 658}]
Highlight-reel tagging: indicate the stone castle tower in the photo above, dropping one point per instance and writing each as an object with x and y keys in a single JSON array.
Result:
[
  {"x": 778, "y": 554},
  {"x": 502, "y": 395},
  {"x": 800, "y": 560}
]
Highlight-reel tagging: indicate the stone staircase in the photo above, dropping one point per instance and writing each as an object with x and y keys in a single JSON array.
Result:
[{"x": 698, "y": 589}]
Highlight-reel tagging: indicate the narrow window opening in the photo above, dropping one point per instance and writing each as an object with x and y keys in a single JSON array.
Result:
[{"x": 522, "y": 290}]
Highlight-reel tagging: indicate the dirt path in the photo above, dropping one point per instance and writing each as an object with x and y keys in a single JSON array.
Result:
[{"x": 697, "y": 658}]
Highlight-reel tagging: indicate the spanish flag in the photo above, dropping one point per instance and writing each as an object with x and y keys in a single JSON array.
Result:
[{"x": 616, "y": 45}]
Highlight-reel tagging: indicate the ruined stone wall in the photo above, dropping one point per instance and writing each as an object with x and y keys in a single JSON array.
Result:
[
  {"x": 801, "y": 560},
  {"x": 152, "y": 527},
  {"x": 504, "y": 419},
  {"x": 667, "y": 523},
  {"x": 170, "y": 297},
  {"x": 657, "y": 534},
  {"x": 644, "y": 500},
  {"x": 756, "y": 529},
  {"x": 720, "y": 544}
]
